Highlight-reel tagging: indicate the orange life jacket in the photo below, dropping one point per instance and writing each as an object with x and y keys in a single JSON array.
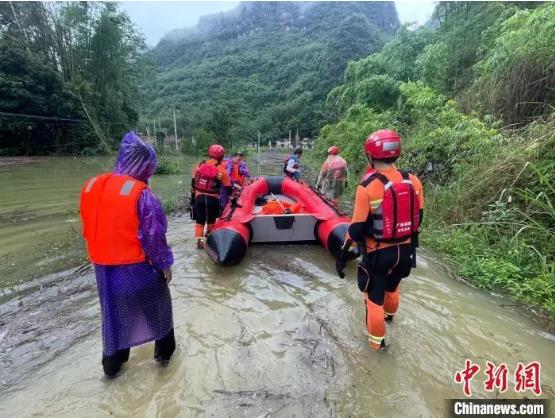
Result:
[
  {"x": 110, "y": 219},
  {"x": 236, "y": 176},
  {"x": 275, "y": 207}
]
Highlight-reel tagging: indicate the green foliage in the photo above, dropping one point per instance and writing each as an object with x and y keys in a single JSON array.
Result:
[
  {"x": 433, "y": 65},
  {"x": 199, "y": 143},
  {"x": 461, "y": 28},
  {"x": 517, "y": 74},
  {"x": 169, "y": 164},
  {"x": 30, "y": 87},
  {"x": 396, "y": 59},
  {"x": 267, "y": 67},
  {"x": 349, "y": 134},
  {"x": 68, "y": 76},
  {"x": 490, "y": 194}
]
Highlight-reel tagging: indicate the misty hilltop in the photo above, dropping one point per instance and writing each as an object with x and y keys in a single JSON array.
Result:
[{"x": 263, "y": 66}]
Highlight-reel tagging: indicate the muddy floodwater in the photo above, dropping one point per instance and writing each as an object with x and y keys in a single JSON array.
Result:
[
  {"x": 39, "y": 223},
  {"x": 280, "y": 335}
]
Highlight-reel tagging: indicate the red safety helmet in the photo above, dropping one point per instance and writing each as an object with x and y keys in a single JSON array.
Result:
[
  {"x": 216, "y": 151},
  {"x": 383, "y": 144},
  {"x": 333, "y": 150}
]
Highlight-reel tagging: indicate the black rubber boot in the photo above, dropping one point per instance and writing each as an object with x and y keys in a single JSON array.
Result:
[
  {"x": 164, "y": 348},
  {"x": 112, "y": 364}
]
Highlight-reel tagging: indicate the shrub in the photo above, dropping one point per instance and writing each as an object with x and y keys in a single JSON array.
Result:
[{"x": 169, "y": 164}]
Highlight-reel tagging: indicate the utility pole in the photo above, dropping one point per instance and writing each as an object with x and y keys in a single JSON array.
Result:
[
  {"x": 148, "y": 131},
  {"x": 175, "y": 131},
  {"x": 258, "y": 153}
]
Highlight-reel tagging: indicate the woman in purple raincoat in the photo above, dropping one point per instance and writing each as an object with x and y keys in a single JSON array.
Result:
[{"x": 134, "y": 296}]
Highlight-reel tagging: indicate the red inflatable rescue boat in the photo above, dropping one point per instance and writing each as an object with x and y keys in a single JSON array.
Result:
[{"x": 315, "y": 219}]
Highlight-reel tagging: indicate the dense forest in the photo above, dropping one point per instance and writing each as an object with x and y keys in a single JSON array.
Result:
[
  {"x": 474, "y": 100},
  {"x": 264, "y": 67},
  {"x": 68, "y": 77}
]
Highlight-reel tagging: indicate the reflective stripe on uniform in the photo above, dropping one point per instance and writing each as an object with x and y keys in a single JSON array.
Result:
[
  {"x": 374, "y": 339},
  {"x": 126, "y": 188},
  {"x": 90, "y": 184}
]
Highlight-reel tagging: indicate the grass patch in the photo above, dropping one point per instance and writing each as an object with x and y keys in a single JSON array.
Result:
[{"x": 169, "y": 164}]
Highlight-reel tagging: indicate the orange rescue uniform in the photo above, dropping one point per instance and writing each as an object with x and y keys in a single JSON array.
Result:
[
  {"x": 207, "y": 207},
  {"x": 368, "y": 198},
  {"x": 394, "y": 261}
]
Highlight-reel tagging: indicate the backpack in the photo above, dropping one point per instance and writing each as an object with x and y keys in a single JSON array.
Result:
[
  {"x": 207, "y": 178},
  {"x": 397, "y": 217}
]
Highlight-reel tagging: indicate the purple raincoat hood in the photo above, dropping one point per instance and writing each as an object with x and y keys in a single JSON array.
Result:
[{"x": 136, "y": 158}]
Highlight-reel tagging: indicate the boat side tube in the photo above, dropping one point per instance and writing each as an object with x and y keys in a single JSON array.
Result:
[
  {"x": 228, "y": 242},
  {"x": 332, "y": 233},
  {"x": 227, "y": 246},
  {"x": 332, "y": 227}
]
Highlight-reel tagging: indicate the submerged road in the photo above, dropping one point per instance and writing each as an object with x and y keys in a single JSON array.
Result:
[{"x": 278, "y": 335}]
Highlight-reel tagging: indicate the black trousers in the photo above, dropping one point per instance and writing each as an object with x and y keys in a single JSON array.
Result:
[
  {"x": 386, "y": 268},
  {"x": 163, "y": 350},
  {"x": 207, "y": 209}
]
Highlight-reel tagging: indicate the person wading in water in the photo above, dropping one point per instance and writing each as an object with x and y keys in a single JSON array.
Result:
[
  {"x": 332, "y": 179},
  {"x": 124, "y": 227},
  {"x": 209, "y": 177},
  {"x": 292, "y": 166},
  {"x": 387, "y": 215}
]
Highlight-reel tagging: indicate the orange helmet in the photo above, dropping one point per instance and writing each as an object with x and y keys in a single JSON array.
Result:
[
  {"x": 333, "y": 150},
  {"x": 216, "y": 151},
  {"x": 383, "y": 144}
]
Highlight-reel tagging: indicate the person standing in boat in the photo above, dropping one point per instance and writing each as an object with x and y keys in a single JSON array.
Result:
[
  {"x": 124, "y": 227},
  {"x": 388, "y": 211},
  {"x": 292, "y": 167},
  {"x": 237, "y": 170},
  {"x": 244, "y": 170},
  {"x": 238, "y": 174},
  {"x": 332, "y": 179},
  {"x": 209, "y": 178}
]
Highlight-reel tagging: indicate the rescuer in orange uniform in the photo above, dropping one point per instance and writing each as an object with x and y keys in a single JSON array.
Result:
[
  {"x": 332, "y": 179},
  {"x": 209, "y": 177},
  {"x": 387, "y": 215}
]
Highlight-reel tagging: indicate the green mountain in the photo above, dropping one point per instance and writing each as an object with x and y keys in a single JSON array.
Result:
[{"x": 264, "y": 67}]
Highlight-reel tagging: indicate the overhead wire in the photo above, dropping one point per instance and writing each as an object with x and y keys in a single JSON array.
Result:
[{"x": 24, "y": 115}]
